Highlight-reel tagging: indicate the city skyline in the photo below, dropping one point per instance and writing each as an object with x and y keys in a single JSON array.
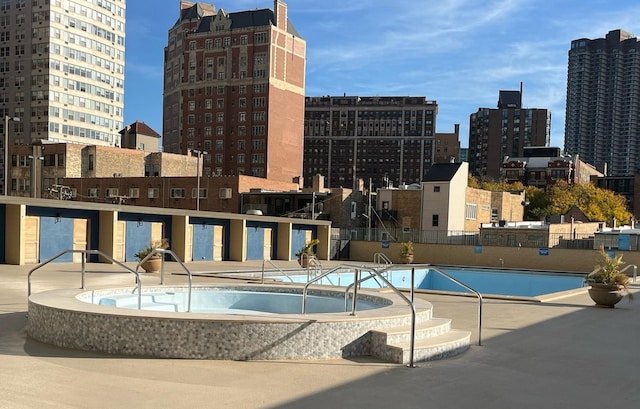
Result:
[{"x": 467, "y": 52}]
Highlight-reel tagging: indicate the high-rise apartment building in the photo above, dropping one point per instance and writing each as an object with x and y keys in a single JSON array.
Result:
[
  {"x": 62, "y": 71},
  {"x": 234, "y": 90},
  {"x": 388, "y": 140},
  {"x": 603, "y": 102},
  {"x": 496, "y": 134}
]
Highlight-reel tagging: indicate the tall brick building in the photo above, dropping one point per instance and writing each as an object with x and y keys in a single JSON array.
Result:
[
  {"x": 234, "y": 88},
  {"x": 495, "y": 134},
  {"x": 390, "y": 140}
]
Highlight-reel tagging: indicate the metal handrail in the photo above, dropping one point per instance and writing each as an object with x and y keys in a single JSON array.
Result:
[
  {"x": 381, "y": 258},
  {"x": 176, "y": 258},
  {"x": 277, "y": 268},
  {"x": 84, "y": 254},
  {"x": 635, "y": 270},
  {"x": 460, "y": 283},
  {"x": 398, "y": 292}
]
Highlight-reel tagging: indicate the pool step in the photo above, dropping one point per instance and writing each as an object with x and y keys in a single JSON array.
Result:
[
  {"x": 434, "y": 339},
  {"x": 147, "y": 302}
]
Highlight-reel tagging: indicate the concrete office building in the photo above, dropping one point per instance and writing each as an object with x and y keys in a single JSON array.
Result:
[
  {"x": 603, "y": 102},
  {"x": 495, "y": 134},
  {"x": 234, "y": 90},
  {"x": 388, "y": 140},
  {"x": 62, "y": 71}
]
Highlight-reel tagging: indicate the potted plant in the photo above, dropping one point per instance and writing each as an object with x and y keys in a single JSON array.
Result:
[
  {"x": 608, "y": 284},
  {"x": 406, "y": 252},
  {"x": 306, "y": 252},
  {"x": 154, "y": 262}
]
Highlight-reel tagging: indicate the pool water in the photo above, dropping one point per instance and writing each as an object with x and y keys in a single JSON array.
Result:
[
  {"x": 226, "y": 301},
  {"x": 521, "y": 283}
]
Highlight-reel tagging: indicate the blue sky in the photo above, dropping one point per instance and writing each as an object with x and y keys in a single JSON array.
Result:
[{"x": 459, "y": 53}]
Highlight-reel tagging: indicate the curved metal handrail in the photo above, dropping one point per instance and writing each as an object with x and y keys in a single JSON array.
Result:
[
  {"x": 84, "y": 254},
  {"x": 353, "y": 311},
  {"x": 460, "y": 283},
  {"x": 379, "y": 258},
  {"x": 276, "y": 267},
  {"x": 176, "y": 258},
  {"x": 635, "y": 270}
]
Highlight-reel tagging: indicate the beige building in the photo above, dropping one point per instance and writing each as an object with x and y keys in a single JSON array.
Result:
[
  {"x": 140, "y": 136},
  {"x": 62, "y": 71},
  {"x": 444, "y": 204}
]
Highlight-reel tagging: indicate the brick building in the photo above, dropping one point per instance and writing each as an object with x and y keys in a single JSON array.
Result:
[
  {"x": 544, "y": 166},
  {"x": 504, "y": 132},
  {"x": 234, "y": 90},
  {"x": 390, "y": 140}
]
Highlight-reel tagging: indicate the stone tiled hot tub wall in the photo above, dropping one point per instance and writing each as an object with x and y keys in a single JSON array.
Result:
[{"x": 60, "y": 318}]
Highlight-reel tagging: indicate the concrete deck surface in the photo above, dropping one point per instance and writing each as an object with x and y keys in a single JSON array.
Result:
[{"x": 560, "y": 354}]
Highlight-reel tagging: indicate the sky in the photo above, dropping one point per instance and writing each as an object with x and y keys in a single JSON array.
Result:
[{"x": 460, "y": 53}]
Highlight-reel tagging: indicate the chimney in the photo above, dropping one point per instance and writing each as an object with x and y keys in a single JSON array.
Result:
[{"x": 280, "y": 12}]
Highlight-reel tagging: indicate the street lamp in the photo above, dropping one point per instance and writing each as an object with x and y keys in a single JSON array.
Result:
[
  {"x": 7, "y": 118},
  {"x": 198, "y": 154}
]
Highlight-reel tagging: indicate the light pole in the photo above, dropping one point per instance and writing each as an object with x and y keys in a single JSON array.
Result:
[
  {"x": 198, "y": 154},
  {"x": 36, "y": 184},
  {"x": 7, "y": 118}
]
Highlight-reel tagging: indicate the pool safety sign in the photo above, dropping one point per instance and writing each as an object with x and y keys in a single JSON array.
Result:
[{"x": 544, "y": 251}]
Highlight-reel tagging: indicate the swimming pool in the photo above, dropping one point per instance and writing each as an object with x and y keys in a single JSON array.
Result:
[{"x": 500, "y": 282}]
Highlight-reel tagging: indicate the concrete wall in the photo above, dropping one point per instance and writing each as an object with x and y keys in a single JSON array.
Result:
[{"x": 498, "y": 257}]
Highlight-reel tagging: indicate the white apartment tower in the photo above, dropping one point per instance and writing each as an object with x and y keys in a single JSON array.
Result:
[{"x": 62, "y": 71}]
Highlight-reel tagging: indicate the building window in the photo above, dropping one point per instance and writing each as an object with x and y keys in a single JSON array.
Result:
[
  {"x": 92, "y": 193},
  {"x": 111, "y": 192},
  {"x": 260, "y": 38},
  {"x": 177, "y": 193},
  {"x": 153, "y": 192},
  {"x": 241, "y": 158},
  {"x": 244, "y": 40},
  {"x": 134, "y": 192},
  {"x": 91, "y": 159},
  {"x": 220, "y": 117},
  {"x": 472, "y": 211},
  {"x": 203, "y": 193},
  {"x": 435, "y": 220},
  {"x": 436, "y": 189}
]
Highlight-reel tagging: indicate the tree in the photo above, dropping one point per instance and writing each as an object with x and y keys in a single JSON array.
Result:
[
  {"x": 537, "y": 206},
  {"x": 597, "y": 204}
]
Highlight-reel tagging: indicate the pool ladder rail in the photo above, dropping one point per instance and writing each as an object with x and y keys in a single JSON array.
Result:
[
  {"x": 381, "y": 274},
  {"x": 135, "y": 272}
]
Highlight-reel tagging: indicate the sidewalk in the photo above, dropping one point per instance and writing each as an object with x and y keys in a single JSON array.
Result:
[{"x": 564, "y": 354}]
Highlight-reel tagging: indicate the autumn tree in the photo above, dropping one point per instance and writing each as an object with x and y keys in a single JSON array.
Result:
[{"x": 597, "y": 204}]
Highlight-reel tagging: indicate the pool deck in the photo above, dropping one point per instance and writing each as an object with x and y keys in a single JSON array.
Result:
[{"x": 565, "y": 353}]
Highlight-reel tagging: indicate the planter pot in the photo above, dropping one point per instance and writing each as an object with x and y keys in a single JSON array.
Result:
[
  {"x": 304, "y": 261},
  {"x": 406, "y": 258},
  {"x": 606, "y": 295},
  {"x": 153, "y": 265}
]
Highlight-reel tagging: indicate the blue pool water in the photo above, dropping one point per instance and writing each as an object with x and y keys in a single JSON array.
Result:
[
  {"x": 229, "y": 301},
  {"x": 485, "y": 281}
]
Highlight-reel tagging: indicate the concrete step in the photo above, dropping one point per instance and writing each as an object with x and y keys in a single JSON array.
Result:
[{"x": 433, "y": 340}]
